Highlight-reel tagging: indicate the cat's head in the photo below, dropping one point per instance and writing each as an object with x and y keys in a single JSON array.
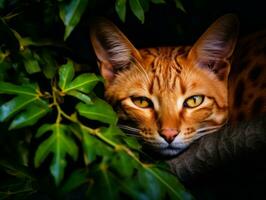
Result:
[{"x": 174, "y": 95}]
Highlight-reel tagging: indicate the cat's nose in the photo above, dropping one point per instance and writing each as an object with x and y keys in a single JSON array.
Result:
[{"x": 169, "y": 134}]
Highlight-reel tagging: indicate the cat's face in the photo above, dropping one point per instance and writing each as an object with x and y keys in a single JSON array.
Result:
[{"x": 173, "y": 95}]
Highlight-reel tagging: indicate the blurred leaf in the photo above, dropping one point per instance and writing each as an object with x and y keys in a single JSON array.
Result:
[
  {"x": 58, "y": 143},
  {"x": 99, "y": 110},
  {"x": 179, "y": 5},
  {"x": 4, "y": 66},
  {"x": 111, "y": 132},
  {"x": 145, "y": 4},
  {"x": 7, "y": 37},
  {"x": 121, "y": 7},
  {"x": 157, "y": 1},
  {"x": 66, "y": 74},
  {"x": 15, "y": 105},
  {"x": 153, "y": 189},
  {"x": 84, "y": 83},
  {"x": 17, "y": 182},
  {"x": 29, "y": 117},
  {"x": 81, "y": 96},
  {"x": 48, "y": 64},
  {"x": 124, "y": 164},
  {"x": 30, "y": 62},
  {"x": 105, "y": 182},
  {"x": 2, "y": 4},
  {"x": 70, "y": 13},
  {"x": 164, "y": 180},
  {"x": 132, "y": 143},
  {"x": 75, "y": 180},
  {"x": 9, "y": 88},
  {"x": 93, "y": 147},
  {"x": 137, "y": 9}
]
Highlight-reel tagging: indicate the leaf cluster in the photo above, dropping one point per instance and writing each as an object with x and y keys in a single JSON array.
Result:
[{"x": 68, "y": 134}]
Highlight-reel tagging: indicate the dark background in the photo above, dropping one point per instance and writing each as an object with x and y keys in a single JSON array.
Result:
[{"x": 165, "y": 25}]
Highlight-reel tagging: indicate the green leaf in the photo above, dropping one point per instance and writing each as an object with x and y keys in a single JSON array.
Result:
[
  {"x": 76, "y": 179},
  {"x": 111, "y": 132},
  {"x": 66, "y": 74},
  {"x": 84, "y": 83},
  {"x": 99, "y": 110},
  {"x": 70, "y": 13},
  {"x": 108, "y": 182},
  {"x": 9, "y": 88},
  {"x": 81, "y": 96},
  {"x": 137, "y": 9},
  {"x": 93, "y": 147},
  {"x": 120, "y": 8},
  {"x": 48, "y": 64},
  {"x": 104, "y": 181},
  {"x": 17, "y": 181},
  {"x": 2, "y": 4},
  {"x": 152, "y": 186},
  {"x": 29, "y": 117},
  {"x": 15, "y": 105},
  {"x": 179, "y": 5},
  {"x": 168, "y": 182},
  {"x": 157, "y": 1},
  {"x": 124, "y": 164},
  {"x": 30, "y": 62},
  {"x": 145, "y": 4},
  {"x": 132, "y": 143},
  {"x": 58, "y": 143},
  {"x": 4, "y": 66}
]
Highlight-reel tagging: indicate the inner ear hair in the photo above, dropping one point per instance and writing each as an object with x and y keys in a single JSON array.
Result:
[
  {"x": 215, "y": 47},
  {"x": 112, "y": 48}
]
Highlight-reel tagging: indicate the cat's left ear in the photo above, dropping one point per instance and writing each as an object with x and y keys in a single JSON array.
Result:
[
  {"x": 113, "y": 50},
  {"x": 214, "y": 48}
]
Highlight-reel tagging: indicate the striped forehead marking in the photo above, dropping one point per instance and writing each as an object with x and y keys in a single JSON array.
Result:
[{"x": 165, "y": 68}]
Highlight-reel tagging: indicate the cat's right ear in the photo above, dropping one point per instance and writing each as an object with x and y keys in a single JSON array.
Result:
[{"x": 112, "y": 48}]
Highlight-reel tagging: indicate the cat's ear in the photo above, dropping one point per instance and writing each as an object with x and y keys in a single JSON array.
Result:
[
  {"x": 215, "y": 47},
  {"x": 113, "y": 50}
]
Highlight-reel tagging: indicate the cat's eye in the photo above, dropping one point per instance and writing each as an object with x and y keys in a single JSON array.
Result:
[
  {"x": 142, "y": 102},
  {"x": 193, "y": 101}
]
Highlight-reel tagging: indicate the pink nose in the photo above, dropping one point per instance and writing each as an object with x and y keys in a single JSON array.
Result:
[{"x": 168, "y": 134}]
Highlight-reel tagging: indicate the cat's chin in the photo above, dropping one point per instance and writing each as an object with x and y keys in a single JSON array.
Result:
[
  {"x": 165, "y": 153},
  {"x": 170, "y": 151}
]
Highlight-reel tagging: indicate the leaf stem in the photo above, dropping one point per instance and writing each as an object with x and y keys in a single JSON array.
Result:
[{"x": 96, "y": 132}]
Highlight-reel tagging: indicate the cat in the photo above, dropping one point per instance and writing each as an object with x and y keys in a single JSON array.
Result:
[{"x": 176, "y": 95}]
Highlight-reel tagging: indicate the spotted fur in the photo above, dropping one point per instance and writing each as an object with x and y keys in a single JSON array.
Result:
[{"x": 167, "y": 76}]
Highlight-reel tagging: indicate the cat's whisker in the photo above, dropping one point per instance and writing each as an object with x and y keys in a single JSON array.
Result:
[
  {"x": 128, "y": 128},
  {"x": 132, "y": 134},
  {"x": 199, "y": 135},
  {"x": 208, "y": 128}
]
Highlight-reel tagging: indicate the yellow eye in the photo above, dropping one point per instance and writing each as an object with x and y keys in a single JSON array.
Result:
[
  {"x": 142, "y": 102},
  {"x": 193, "y": 101}
]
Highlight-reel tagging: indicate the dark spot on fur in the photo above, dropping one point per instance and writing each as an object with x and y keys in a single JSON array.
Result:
[
  {"x": 264, "y": 49},
  {"x": 250, "y": 96},
  {"x": 257, "y": 105},
  {"x": 263, "y": 86},
  {"x": 239, "y": 67},
  {"x": 255, "y": 73},
  {"x": 240, "y": 116},
  {"x": 239, "y": 94}
]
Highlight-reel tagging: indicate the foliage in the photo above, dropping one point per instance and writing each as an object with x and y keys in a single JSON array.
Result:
[{"x": 54, "y": 118}]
